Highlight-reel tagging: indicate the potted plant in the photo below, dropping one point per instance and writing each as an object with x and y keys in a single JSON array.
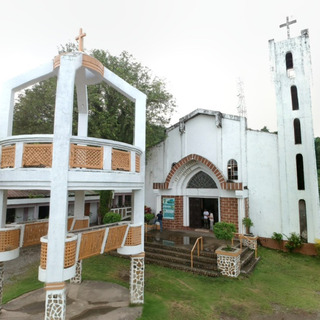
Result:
[
  {"x": 228, "y": 258},
  {"x": 247, "y": 222}
]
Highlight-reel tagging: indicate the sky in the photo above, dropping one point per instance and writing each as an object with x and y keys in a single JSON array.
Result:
[{"x": 200, "y": 48}]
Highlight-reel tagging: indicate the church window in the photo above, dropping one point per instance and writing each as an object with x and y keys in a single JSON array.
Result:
[
  {"x": 300, "y": 172},
  {"x": 303, "y": 221},
  {"x": 201, "y": 180},
  {"x": 294, "y": 98},
  {"x": 232, "y": 170},
  {"x": 289, "y": 61},
  {"x": 297, "y": 131}
]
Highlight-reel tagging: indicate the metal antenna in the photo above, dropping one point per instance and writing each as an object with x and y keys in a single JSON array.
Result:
[{"x": 242, "y": 109}]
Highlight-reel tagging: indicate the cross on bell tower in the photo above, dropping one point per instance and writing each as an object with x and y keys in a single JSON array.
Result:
[
  {"x": 80, "y": 38},
  {"x": 287, "y": 24}
]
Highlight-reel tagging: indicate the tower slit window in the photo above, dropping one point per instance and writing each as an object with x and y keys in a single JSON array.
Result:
[
  {"x": 303, "y": 220},
  {"x": 300, "y": 171},
  {"x": 294, "y": 98},
  {"x": 289, "y": 61},
  {"x": 297, "y": 131},
  {"x": 232, "y": 170}
]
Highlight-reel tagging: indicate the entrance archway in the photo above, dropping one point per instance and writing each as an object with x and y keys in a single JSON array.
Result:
[{"x": 196, "y": 208}]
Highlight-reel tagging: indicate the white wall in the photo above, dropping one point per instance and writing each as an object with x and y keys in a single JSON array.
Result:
[{"x": 263, "y": 183}]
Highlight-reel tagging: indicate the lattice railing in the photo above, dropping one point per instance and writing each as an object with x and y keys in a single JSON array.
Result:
[
  {"x": 121, "y": 160},
  {"x": 134, "y": 236},
  {"x": 37, "y": 155},
  {"x": 8, "y": 156},
  {"x": 9, "y": 239},
  {"x": 33, "y": 232},
  {"x": 115, "y": 238},
  {"x": 70, "y": 252},
  {"x": 81, "y": 224},
  {"x": 91, "y": 243},
  {"x": 86, "y": 157},
  {"x": 137, "y": 163}
]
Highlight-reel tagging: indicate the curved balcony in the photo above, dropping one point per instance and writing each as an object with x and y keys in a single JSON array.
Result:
[{"x": 33, "y": 154}]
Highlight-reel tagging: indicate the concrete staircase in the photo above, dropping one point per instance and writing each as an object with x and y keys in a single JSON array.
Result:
[{"x": 180, "y": 258}]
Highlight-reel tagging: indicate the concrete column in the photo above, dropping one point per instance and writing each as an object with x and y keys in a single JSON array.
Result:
[
  {"x": 137, "y": 279},
  {"x": 55, "y": 301},
  {"x": 79, "y": 204},
  {"x": 60, "y": 166},
  {"x": 3, "y": 207},
  {"x": 1, "y": 283}
]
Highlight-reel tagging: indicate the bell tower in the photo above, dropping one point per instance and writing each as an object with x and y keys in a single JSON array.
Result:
[{"x": 291, "y": 68}]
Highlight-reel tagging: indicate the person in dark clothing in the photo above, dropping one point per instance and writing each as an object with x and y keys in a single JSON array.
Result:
[{"x": 159, "y": 219}]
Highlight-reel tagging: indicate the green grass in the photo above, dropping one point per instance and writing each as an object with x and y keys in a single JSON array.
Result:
[{"x": 287, "y": 281}]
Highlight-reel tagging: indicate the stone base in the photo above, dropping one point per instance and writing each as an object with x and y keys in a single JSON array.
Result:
[
  {"x": 137, "y": 279},
  {"x": 229, "y": 262},
  {"x": 55, "y": 301}
]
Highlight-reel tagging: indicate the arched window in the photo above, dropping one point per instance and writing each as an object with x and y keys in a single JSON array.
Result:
[
  {"x": 303, "y": 221},
  {"x": 201, "y": 180},
  {"x": 297, "y": 131},
  {"x": 294, "y": 98},
  {"x": 232, "y": 170},
  {"x": 300, "y": 172},
  {"x": 289, "y": 61}
]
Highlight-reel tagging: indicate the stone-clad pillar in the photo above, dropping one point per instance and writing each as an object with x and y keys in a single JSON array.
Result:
[
  {"x": 55, "y": 301},
  {"x": 77, "y": 279},
  {"x": 1, "y": 283},
  {"x": 137, "y": 279}
]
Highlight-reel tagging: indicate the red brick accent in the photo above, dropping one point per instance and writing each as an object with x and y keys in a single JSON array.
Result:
[
  {"x": 246, "y": 203},
  {"x": 177, "y": 222},
  {"x": 229, "y": 210},
  {"x": 185, "y": 160}
]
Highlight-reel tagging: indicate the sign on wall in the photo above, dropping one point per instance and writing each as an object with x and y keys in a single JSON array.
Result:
[{"x": 168, "y": 208}]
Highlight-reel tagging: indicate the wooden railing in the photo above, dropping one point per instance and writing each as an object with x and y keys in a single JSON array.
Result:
[
  {"x": 199, "y": 245},
  {"x": 35, "y": 151},
  {"x": 251, "y": 242}
]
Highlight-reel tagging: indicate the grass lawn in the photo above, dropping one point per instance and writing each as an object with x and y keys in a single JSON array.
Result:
[{"x": 281, "y": 280}]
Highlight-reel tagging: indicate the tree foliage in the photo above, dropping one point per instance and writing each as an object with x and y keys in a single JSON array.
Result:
[{"x": 111, "y": 115}]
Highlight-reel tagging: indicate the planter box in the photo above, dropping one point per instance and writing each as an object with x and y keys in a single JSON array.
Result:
[
  {"x": 229, "y": 262},
  {"x": 307, "y": 248}
]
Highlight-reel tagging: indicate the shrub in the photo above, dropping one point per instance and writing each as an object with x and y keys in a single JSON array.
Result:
[
  {"x": 247, "y": 222},
  {"x": 148, "y": 217},
  {"x": 224, "y": 230},
  {"x": 317, "y": 246},
  {"x": 294, "y": 242},
  {"x": 111, "y": 217},
  {"x": 277, "y": 236}
]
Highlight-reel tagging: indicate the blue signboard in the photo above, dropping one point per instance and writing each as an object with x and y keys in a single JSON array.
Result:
[{"x": 168, "y": 208}]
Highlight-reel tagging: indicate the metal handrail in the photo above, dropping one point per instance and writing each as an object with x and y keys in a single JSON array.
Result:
[{"x": 200, "y": 239}]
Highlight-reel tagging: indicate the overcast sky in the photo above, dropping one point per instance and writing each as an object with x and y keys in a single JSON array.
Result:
[{"x": 200, "y": 48}]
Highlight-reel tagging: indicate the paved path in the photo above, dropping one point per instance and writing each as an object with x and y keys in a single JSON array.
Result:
[{"x": 90, "y": 300}]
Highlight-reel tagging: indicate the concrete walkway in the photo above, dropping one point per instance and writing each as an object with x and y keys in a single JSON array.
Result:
[{"x": 90, "y": 300}]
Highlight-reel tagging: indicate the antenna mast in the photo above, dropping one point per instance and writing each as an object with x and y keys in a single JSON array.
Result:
[{"x": 242, "y": 109}]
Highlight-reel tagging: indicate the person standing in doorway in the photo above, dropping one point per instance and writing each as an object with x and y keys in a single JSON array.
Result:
[
  {"x": 159, "y": 219},
  {"x": 211, "y": 220},
  {"x": 206, "y": 218}
]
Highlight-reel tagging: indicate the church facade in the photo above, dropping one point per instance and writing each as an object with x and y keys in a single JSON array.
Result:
[{"x": 212, "y": 161}]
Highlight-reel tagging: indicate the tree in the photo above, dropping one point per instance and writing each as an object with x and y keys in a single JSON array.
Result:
[
  {"x": 111, "y": 115},
  {"x": 265, "y": 129}
]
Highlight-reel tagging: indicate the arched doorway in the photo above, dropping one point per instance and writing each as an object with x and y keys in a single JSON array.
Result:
[{"x": 197, "y": 205}]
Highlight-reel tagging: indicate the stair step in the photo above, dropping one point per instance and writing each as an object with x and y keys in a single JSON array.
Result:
[
  {"x": 206, "y": 265},
  {"x": 208, "y": 273},
  {"x": 249, "y": 267}
]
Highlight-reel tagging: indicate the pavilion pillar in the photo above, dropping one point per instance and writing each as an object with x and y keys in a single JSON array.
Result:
[
  {"x": 1, "y": 283},
  {"x": 77, "y": 279},
  {"x": 137, "y": 279},
  {"x": 3, "y": 207}
]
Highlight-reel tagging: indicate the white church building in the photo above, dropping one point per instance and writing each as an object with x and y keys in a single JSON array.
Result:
[{"x": 210, "y": 160}]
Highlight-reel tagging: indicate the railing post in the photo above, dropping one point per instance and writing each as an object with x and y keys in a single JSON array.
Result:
[{"x": 19, "y": 155}]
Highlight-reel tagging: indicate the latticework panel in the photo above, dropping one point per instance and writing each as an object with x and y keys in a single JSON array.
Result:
[
  {"x": 121, "y": 160},
  {"x": 70, "y": 221},
  {"x": 81, "y": 224},
  {"x": 115, "y": 238},
  {"x": 86, "y": 157},
  {"x": 137, "y": 163},
  {"x": 37, "y": 155},
  {"x": 91, "y": 243},
  {"x": 8, "y": 156},
  {"x": 134, "y": 236},
  {"x": 33, "y": 232},
  {"x": 70, "y": 251},
  {"x": 9, "y": 239}
]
